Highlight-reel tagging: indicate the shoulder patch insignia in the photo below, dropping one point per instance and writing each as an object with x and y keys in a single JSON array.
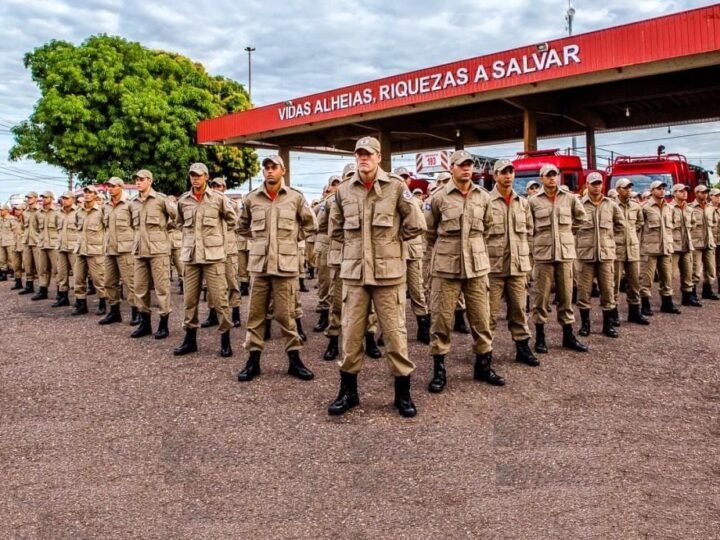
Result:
[
  {"x": 427, "y": 206},
  {"x": 406, "y": 194}
]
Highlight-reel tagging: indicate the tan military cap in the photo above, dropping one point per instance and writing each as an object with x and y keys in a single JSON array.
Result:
[
  {"x": 348, "y": 170},
  {"x": 402, "y": 171},
  {"x": 32, "y": 194},
  {"x": 198, "y": 168},
  {"x": 218, "y": 181},
  {"x": 67, "y": 195},
  {"x": 417, "y": 191},
  {"x": 277, "y": 160},
  {"x": 594, "y": 178},
  {"x": 369, "y": 144},
  {"x": 460, "y": 156},
  {"x": 548, "y": 167},
  {"x": 143, "y": 173},
  {"x": 443, "y": 176},
  {"x": 613, "y": 194},
  {"x": 334, "y": 179},
  {"x": 701, "y": 187},
  {"x": 564, "y": 188},
  {"x": 90, "y": 188},
  {"x": 658, "y": 184},
  {"x": 48, "y": 194},
  {"x": 532, "y": 183},
  {"x": 715, "y": 191},
  {"x": 115, "y": 181},
  {"x": 679, "y": 187},
  {"x": 501, "y": 164},
  {"x": 623, "y": 183}
]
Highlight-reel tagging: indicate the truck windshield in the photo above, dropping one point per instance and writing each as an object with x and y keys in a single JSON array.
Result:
[
  {"x": 522, "y": 178},
  {"x": 641, "y": 182}
]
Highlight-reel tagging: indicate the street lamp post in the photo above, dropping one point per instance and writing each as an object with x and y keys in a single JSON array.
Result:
[
  {"x": 569, "y": 16},
  {"x": 250, "y": 51}
]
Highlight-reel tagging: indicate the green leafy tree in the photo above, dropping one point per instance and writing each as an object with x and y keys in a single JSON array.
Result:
[{"x": 110, "y": 107}]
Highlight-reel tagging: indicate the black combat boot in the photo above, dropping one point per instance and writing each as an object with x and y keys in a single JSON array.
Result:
[
  {"x": 524, "y": 355},
  {"x": 18, "y": 284},
  {"x": 403, "y": 402},
  {"x": 540, "y": 345},
  {"x": 102, "y": 307},
  {"x": 635, "y": 315},
  {"x": 298, "y": 326},
  {"x": 331, "y": 353},
  {"x": 483, "y": 371},
  {"x": 181, "y": 286},
  {"x": 145, "y": 327},
  {"x": 347, "y": 397},
  {"x": 296, "y": 368},
  {"x": 112, "y": 317},
  {"x": 614, "y": 316},
  {"x": 225, "y": 345},
  {"x": 584, "y": 322},
  {"x": 608, "y": 328},
  {"x": 162, "y": 331},
  {"x": 268, "y": 329},
  {"x": 693, "y": 293},
  {"x": 460, "y": 327},
  {"x": 708, "y": 293},
  {"x": 3, "y": 275},
  {"x": 211, "y": 320},
  {"x": 311, "y": 272},
  {"x": 42, "y": 294},
  {"x": 80, "y": 307},
  {"x": 236, "y": 317},
  {"x": 189, "y": 344},
  {"x": 423, "y": 329},
  {"x": 646, "y": 309},
  {"x": 570, "y": 341},
  {"x": 135, "y": 318},
  {"x": 371, "y": 348},
  {"x": 61, "y": 300},
  {"x": 29, "y": 288},
  {"x": 90, "y": 287},
  {"x": 439, "y": 380},
  {"x": 667, "y": 305},
  {"x": 689, "y": 300},
  {"x": 303, "y": 288},
  {"x": 244, "y": 289},
  {"x": 323, "y": 321},
  {"x": 251, "y": 369}
]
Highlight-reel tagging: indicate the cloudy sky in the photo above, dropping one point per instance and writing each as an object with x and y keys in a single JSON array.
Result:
[{"x": 304, "y": 47}]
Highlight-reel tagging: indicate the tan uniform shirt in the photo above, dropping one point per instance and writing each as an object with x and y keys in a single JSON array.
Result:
[
  {"x": 322, "y": 212},
  {"x": 627, "y": 241},
  {"x": 371, "y": 225},
  {"x": 507, "y": 242},
  {"x": 716, "y": 224},
  {"x": 276, "y": 227},
  {"x": 457, "y": 226},
  {"x": 596, "y": 236},
  {"x": 414, "y": 249},
  {"x": 8, "y": 231},
  {"x": 683, "y": 223},
  {"x": 91, "y": 226},
  {"x": 702, "y": 235},
  {"x": 205, "y": 223},
  {"x": 231, "y": 243},
  {"x": 31, "y": 230},
  {"x": 119, "y": 232},
  {"x": 68, "y": 237},
  {"x": 150, "y": 221},
  {"x": 657, "y": 232},
  {"x": 49, "y": 226},
  {"x": 553, "y": 239}
]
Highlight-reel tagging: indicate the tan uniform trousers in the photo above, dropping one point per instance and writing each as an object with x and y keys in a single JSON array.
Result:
[
  {"x": 415, "y": 287},
  {"x": 717, "y": 262},
  {"x": 604, "y": 271},
  {"x": 152, "y": 270},
  {"x": 176, "y": 262},
  {"x": 389, "y": 301},
  {"x": 7, "y": 258},
  {"x": 282, "y": 291},
  {"x": 66, "y": 263},
  {"x": 120, "y": 267},
  {"x": 231, "y": 282},
  {"x": 323, "y": 275},
  {"x": 47, "y": 266},
  {"x": 336, "y": 306},
  {"x": 560, "y": 273},
  {"x": 684, "y": 263},
  {"x": 215, "y": 276},
  {"x": 703, "y": 266},
  {"x": 29, "y": 257},
  {"x": 514, "y": 288},
  {"x": 311, "y": 254},
  {"x": 631, "y": 271},
  {"x": 18, "y": 263},
  {"x": 664, "y": 265},
  {"x": 94, "y": 265},
  {"x": 445, "y": 293},
  {"x": 242, "y": 266}
]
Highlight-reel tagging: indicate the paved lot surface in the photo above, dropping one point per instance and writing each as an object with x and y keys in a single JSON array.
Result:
[{"x": 104, "y": 436}]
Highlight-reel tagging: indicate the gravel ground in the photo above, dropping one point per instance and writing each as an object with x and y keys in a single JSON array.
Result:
[{"x": 105, "y": 436}]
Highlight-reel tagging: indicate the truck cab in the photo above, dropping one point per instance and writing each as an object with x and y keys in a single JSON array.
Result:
[{"x": 644, "y": 170}]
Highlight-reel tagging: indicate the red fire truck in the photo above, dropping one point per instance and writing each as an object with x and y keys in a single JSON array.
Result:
[{"x": 528, "y": 164}]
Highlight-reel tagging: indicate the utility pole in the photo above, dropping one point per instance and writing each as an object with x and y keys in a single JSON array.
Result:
[
  {"x": 250, "y": 51},
  {"x": 70, "y": 181},
  {"x": 569, "y": 16}
]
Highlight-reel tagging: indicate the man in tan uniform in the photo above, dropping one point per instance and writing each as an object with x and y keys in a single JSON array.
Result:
[
  {"x": 509, "y": 255},
  {"x": 372, "y": 215},
  {"x": 322, "y": 245},
  {"x": 275, "y": 216},
  {"x": 413, "y": 253},
  {"x": 555, "y": 213},
  {"x": 627, "y": 254},
  {"x": 151, "y": 211},
  {"x": 175, "y": 234},
  {"x": 8, "y": 231},
  {"x": 48, "y": 226},
  {"x": 243, "y": 256},
  {"x": 683, "y": 223},
  {"x": 119, "y": 260},
  {"x": 596, "y": 251},
  {"x": 657, "y": 249},
  {"x": 704, "y": 243},
  {"x": 458, "y": 222},
  {"x": 207, "y": 218},
  {"x": 715, "y": 200},
  {"x": 67, "y": 244},
  {"x": 89, "y": 257},
  {"x": 31, "y": 237}
]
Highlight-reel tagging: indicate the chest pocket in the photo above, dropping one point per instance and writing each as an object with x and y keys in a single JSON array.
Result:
[
  {"x": 286, "y": 219},
  {"x": 383, "y": 215},
  {"x": 450, "y": 220},
  {"x": 210, "y": 218},
  {"x": 351, "y": 211},
  {"x": 478, "y": 216},
  {"x": 498, "y": 226},
  {"x": 565, "y": 218},
  {"x": 152, "y": 221},
  {"x": 258, "y": 216},
  {"x": 543, "y": 218}
]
